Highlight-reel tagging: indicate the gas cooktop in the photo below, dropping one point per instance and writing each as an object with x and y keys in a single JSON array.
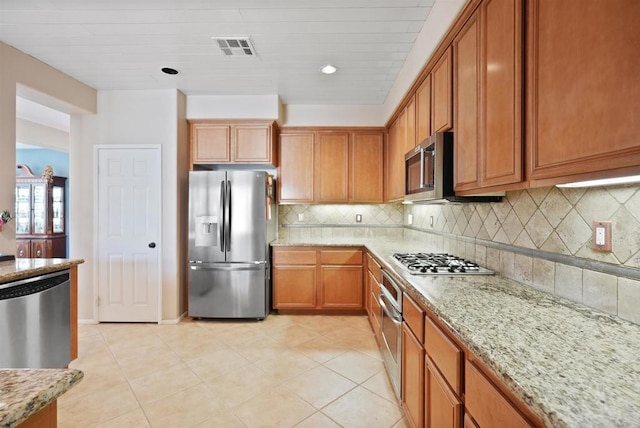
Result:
[{"x": 438, "y": 264}]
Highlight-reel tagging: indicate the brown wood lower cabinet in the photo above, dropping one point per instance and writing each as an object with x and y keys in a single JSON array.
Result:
[
  {"x": 444, "y": 385},
  {"x": 318, "y": 278},
  {"x": 412, "y": 378},
  {"x": 486, "y": 404},
  {"x": 47, "y": 417},
  {"x": 442, "y": 407}
]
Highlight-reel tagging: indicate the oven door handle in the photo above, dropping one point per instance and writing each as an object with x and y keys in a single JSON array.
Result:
[{"x": 397, "y": 319}]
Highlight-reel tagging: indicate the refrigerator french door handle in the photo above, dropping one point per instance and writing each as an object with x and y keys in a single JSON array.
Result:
[
  {"x": 227, "y": 223},
  {"x": 221, "y": 216}
]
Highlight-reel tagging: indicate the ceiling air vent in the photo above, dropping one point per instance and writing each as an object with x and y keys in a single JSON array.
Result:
[{"x": 236, "y": 46}]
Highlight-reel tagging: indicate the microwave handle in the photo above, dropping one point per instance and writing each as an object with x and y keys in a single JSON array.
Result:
[{"x": 422, "y": 183}]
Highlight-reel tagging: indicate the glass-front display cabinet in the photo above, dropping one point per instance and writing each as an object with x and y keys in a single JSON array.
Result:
[{"x": 40, "y": 215}]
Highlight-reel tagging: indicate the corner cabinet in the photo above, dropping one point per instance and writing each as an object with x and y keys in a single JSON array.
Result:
[
  {"x": 241, "y": 142},
  {"x": 318, "y": 279},
  {"x": 337, "y": 165},
  {"x": 40, "y": 216}
]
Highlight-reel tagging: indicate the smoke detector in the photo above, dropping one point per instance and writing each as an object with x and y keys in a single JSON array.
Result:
[{"x": 235, "y": 46}]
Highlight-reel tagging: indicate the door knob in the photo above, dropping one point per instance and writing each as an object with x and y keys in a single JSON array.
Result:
[{"x": 152, "y": 245}]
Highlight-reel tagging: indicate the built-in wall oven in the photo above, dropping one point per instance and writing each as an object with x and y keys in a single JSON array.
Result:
[{"x": 390, "y": 300}]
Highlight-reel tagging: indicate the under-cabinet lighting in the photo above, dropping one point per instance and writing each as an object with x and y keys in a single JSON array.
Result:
[{"x": 603, "y": 182}]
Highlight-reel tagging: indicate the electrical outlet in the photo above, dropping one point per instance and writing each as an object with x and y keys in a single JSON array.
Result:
[
  {"x": 601, "y": 239},
  {"x": 431, "y": 221},
  {"x": 409, "y": 219},
  {"x": 358, "y": 218},
  {"x": 301, "y": 217}
]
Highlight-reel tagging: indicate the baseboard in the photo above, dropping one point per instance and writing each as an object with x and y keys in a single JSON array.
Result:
[
  {"x": 87, "y": 321},
  {"x": 174, "y": 321}
]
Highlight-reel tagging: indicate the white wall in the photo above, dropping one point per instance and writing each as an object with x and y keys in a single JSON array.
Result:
[
  {"x": 233, "y": 107},
  {"x": 143, "y": 117},
  {"x": 333, "y": 115}
]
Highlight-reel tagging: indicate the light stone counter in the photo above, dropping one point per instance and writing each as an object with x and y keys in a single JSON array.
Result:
[
  {"x": 24, "y": 392},
  {"x": 573, "y": 366},
  {"x": 17, "y": 269}
]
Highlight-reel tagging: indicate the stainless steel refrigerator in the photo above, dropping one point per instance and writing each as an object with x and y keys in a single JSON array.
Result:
[{"x": 232, "y": 220}]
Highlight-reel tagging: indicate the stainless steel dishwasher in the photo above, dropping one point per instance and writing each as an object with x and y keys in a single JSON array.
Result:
[{"x": 35, "y": 322}]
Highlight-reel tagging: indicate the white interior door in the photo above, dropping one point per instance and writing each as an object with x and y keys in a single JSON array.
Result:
[{"x": 128, "y": 213}]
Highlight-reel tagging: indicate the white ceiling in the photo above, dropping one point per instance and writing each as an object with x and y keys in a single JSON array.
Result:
[{"x": 122, "y": 44}]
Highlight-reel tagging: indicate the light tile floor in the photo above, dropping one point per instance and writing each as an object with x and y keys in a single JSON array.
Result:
[{"x": 286, "y": 371}]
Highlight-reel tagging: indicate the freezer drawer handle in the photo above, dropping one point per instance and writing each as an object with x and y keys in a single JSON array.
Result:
[{"x": 235, "y": 266}]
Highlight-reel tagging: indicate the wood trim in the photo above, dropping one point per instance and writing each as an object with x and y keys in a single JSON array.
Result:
[{"x": 338, "y": 129}]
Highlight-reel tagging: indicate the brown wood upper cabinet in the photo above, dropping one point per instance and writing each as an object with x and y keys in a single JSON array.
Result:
[
  {"x": 488, "y": 102},
  {"x": 583, "y": 68},
  {"x": 395, "y": 160},
  {"x": 423, "y": 110},
  {"x": 331, "y": 169},
  {"x": 442, "y": 94},
  {"x": 331, "y": 166},
  {"x": 295, "y": 173},
  {"x": 247, "y": 142},
  {"x": 410, "y": 131}
]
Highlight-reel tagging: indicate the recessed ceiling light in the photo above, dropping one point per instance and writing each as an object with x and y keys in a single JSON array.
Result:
[
  {"x": 167, "y": 70},
  {"x": 328, "y": 69}
]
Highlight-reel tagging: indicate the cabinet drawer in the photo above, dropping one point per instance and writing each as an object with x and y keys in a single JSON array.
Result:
[
  {"x": 374, "y": 268},
  {"x": 486, "y": 404},
  {"x": 294, "y": 257},
  {"x": 413, "y": 316},
  {"x": 341, "y": 257},
  {"x": 445, "y": 354}
]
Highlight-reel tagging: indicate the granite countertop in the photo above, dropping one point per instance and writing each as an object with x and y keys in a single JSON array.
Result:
[
  {"x": 17, "y": 269},
  {"x": 23, "y": 392},
  {"x": 574, "y": 366}
]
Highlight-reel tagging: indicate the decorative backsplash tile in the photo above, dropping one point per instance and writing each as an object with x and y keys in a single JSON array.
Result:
[
  {"x": 548, "y": 219},
  {"x": 331, "y": 215}
]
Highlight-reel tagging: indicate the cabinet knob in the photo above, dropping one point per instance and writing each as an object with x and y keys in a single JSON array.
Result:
[{"x": 152, "y": 245}]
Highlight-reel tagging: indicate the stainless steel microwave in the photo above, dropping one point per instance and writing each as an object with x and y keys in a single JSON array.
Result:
[{"x": 429, "y": 173}]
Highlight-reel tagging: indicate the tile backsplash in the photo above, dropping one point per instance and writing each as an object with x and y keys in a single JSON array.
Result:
[
  {"x": 542, "y": 238},
  {"x": 549, "y": 219},
  {"x": 539, "y": 237}
]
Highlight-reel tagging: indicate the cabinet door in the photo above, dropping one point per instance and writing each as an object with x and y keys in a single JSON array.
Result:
[
  {"x": 584, "y": 89},
  {"x": 252, "y": 144},
  {"x": 332, "y": 167},
  {"x": 423, "y": 110},
  {"x": 443, "y": 409},
  {"x": 366, "y": 167},
  {"x": 341, "y": 287},
  {"x": 486, "y": 404},
  {"x": 294, "y": 287},
  {"x": 23, "y": 248},
  {"x": 39, "y": 209},
  {"x": 395, "y": 162},
  {"x": 40, "y": 248},
  {"x": 410, "y": 137},
  {"x": 23, "y": 209},
  {"x": 501, "y": 77},
  {"x": 441, "y": 94},
  {"x": 466, "y": 49},
  {"x": 412, "y": 378},
  {"x": 296, "y": 168},
  {"x": 210, "y": 143}
]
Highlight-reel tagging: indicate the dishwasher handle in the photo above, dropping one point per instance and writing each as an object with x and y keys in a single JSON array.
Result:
[{"x": 30, "y": 286}]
